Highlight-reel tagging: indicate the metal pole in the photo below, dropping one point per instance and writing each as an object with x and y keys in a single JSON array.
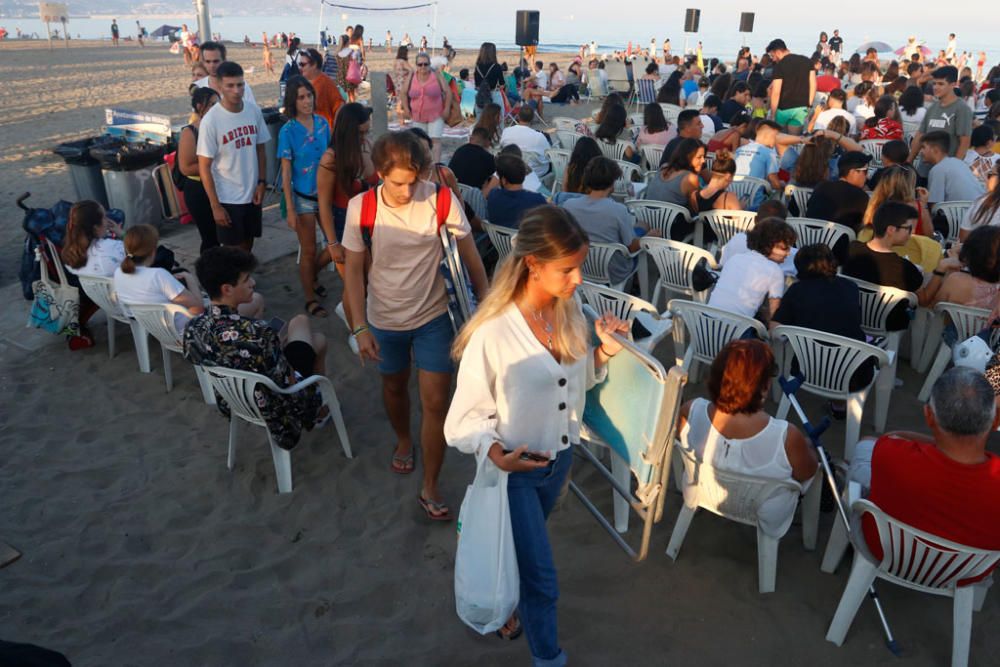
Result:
[
  {"x": 434, "y": 30},
  {"x": 319, "y": 28},
  {"x": 204, "y": 26}
]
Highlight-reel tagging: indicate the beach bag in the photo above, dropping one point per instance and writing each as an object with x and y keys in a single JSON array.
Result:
[
  {"x": 353, "y": 72},
  {"x": 455, "y": 112},
  {"x": 56, "y": 305},
  {"x": 487, "y": 581},
  {"x": 701, "y": 277}
]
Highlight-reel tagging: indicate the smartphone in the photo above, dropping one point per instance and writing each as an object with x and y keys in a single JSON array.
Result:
[
  {"x": 531, "y": 456},
  {"x": 276, "y": 324}
]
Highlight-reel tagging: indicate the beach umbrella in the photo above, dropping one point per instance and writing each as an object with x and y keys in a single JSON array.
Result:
[
  {"x": 880, "y": 47},
  {"x": 924, "y": 49},
  {"x": 164, "y": 31}
]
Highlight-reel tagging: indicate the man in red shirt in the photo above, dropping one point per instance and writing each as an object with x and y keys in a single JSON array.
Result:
[
  {"x": 827, "y": 80},
  {"x": 946, "y": 484}
]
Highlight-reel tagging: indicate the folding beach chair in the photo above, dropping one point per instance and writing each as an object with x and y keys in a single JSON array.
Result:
[{"x": 634, "y": 413}]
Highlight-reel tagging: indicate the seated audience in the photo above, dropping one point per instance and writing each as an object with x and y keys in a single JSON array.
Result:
[
  {"x": 759, "y": 159},
  {"x": 754, "y": 279},
  {"x": 834, "y": 108},
  {"x": 508, "y": 203},
  {"x": 978, "y": 284},
  {"x": 614, "y": 128},
  {"x": 894, "y": 153},
  {"x": 584, "y": 151},
  {"x": 736, "y": 100},
  {"x": 689, "y": 126},
  {"x": 844, "y": 200},
  {"x": 732, "y": 431},
  {"x": 950, "y": 179},
  {"x": 985, "y": 210},
  {"x": 732, "y": 137},
  {"x": 532, "y": 143},
  {"x": 899, "y": 184},
  {"x": 224, "y": 336},
  {"x": 93, "y": 245},
  {"x": 980, "y": 157},
  {"x": 472, "y": 163},
  {"x": 656, "y": 131},
  {"x": 884, "y": 123},
  {"x": 770, "y": 209}
]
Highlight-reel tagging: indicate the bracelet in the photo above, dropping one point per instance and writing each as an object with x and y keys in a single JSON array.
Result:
[
  {"x": 261, "y": 181},
  {"x": 360, "y": 330},
  {"x": 606, "y": 353},
  {"x": 940, "y": 274}
]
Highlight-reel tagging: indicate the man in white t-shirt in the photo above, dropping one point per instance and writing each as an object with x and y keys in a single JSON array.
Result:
[
  {"x": 406, "y": 307},
  {"x": 748, "y": 278},
  {"x": 231, "y": 161},
  {"x": 541, "y": 76},
  {"x": 532, "y": 143},
  {"x": 834, "y": 108},
  {"x": 213, "y": 54}
]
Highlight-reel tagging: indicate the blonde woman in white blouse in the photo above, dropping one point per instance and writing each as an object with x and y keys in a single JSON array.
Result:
[{"x": 526, "y": 364}]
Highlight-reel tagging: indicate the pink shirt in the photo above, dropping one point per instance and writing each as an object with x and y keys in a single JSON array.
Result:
[{"x": 426, "y": 100}]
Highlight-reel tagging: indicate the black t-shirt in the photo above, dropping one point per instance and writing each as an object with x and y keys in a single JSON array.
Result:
[
  {"x": 838, "y": 201},
  {"x": 729, "y": 109},
  {"x": 835, "y": 44},
  {"x": 668, "y": 150},
  {"x": 824, "y": 304},
  {"x": 793, "y": 70},
  {"x": 887, "y": 269},
  {"x": 491, "y": 73},
  {"x": 473, "y": 165}
]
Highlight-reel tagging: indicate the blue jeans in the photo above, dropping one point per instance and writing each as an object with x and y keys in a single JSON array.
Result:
[{"x": 531, "y": 496}]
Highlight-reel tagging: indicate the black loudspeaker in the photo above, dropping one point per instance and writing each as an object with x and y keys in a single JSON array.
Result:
[
  {"x": 691, "y": 19},
  {"x": 526, "y": 28},
  {"x": 746, "y": 22}
]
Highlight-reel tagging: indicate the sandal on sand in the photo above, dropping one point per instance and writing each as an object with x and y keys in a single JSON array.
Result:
[
  {"x": 402, "y": 465},
  {"x": 435, "y": 511},
  {"x": 319, "y": 290},
  {"x": 316, "y": 310},
  {"x": 510, "y": 632}
]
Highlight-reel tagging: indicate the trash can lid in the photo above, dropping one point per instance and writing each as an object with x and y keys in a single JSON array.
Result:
[{"x": 127, "y": 157}]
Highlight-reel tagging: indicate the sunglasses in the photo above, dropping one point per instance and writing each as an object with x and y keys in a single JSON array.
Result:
[
  {"x": 423, "y": 64},
  {"x": 304, "y": 63}
]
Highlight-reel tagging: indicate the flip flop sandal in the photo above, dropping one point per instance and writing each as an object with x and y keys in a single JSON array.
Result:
[
  {"x": 511, "y": 635},
  {"x": 316, "y": 310},
  {"x": 435, "y": 511},
  {"x": 402, "y": 465}
]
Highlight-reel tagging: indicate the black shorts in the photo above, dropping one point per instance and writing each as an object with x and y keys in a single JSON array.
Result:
[
  {"x": 301, "y": 357},
  {"x": 245, "y": 222}
]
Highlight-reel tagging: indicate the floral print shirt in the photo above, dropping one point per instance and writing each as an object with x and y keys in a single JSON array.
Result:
[{"x": 223, "y": 337}]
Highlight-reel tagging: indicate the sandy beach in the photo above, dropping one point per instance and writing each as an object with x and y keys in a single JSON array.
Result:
[{"x": 141, "y": 548}]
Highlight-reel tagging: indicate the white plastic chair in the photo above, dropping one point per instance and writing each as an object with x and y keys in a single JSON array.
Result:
[
  {"x": 725, "y": 224},
  {"x": 630, "y": 309},
  {"x": 709, "y": 159},
  {"x": 158, "y": 320},
  {"x": 738, "y": 497},
  {"x": 657, "y": 214},
  {"x": 827, "y": 362},
  {"x": 670, "y": 112},
  {"x": 810, "y": 230},
  {"x": 800, "y": 195},
  {"x": 236, "y": 388},
  {"x": 102, "y": 292},
  {"x": 502, "y": 239},
  {"x": 706, "y": 330},
  {"x": 568, "y": 138},
  {"x": 874, "y": 148},
  {"x": 968, "y": 322},
  {"x": 565, "y": 123},
  {"x": 474, "y": 198},
  {"x": 909, "y": 129},
  {"x": 597, "y": 266},
  {"x": 921, "y": 561},
  {"x": 954, "y": 213},
  {"x": 675, "y": 262},
  {"x": 877, "y": 303},
  {"x": 747, "y": 187},
  {"x": 629, "y": 170},
  {"x": 613, "y": 150},
  {"x": 559, "y": 158},
  {"x": 652, "y": 154}
]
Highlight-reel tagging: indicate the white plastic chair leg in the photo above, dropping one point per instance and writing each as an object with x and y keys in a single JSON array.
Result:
[
  {"x": 940, "y": 364},
  {"x": 810, "y": 512},
  {"x": 644, "y": 276},
  {"x": 168, "y": 374},
  {"x": 961, "y": 620},
  {"x": 282, "y": 467},
  {"x": 932, "y": 341},
  {"x": 207, "y": 393},
  {"x": 862, "y": 576},
  {"x": 884, "y": 384},
  {"x": 622, "y": 475},
  {"x": 233, "y": 427},
  {"x": 680, "y": 530},
  {"x": 836, "y": 546},
  {"x": 767, "y": 562},
  {"x": 338, "y": 422},
  {"x": 111, "y": 337},
  {"x": 141, "y": 346},
  {"x": 852, "y": 428}
]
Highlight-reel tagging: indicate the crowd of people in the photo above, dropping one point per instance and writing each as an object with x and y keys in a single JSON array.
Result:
[{"x": 525, "y": 359}]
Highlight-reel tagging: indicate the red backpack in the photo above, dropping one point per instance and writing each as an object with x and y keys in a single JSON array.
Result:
[{"x": 369, "y": 210}]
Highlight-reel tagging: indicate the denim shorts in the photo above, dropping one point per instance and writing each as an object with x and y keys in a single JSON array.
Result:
[
  {"x": 428, "y": 345},
  {"x": 304, "y": 205}
]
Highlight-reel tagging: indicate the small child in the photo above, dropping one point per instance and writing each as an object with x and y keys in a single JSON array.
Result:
[{"x": 894, "y": 153}]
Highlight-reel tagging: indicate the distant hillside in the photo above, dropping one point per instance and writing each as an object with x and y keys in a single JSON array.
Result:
[{"x": 14, "y": 8}]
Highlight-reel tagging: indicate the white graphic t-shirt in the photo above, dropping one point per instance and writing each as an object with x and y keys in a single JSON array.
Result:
[{"x": 231, "y": 139}]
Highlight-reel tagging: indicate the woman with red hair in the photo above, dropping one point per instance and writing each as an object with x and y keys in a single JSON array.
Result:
[{"x": 732, "y": 432}]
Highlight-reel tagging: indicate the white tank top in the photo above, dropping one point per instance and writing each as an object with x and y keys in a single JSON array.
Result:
[{"x": 761, "y": 455}]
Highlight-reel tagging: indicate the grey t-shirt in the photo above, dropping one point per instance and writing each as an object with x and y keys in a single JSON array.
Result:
[
  {"x": 606, "y": 221},
  {"x": 955, "y": 119},
  {"x": 952, "y": 180}
]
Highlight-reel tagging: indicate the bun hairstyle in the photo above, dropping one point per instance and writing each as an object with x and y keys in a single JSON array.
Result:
[
  {"x": 724, "y": 162},
  {"x": 140, "y": 245}
]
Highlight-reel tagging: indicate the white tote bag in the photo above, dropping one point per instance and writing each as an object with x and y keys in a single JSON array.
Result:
[
  {"x": 487, "y": 582},
  {"x": 56, "y": 307}
]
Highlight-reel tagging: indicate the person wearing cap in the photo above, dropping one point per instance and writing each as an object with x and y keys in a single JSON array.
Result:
[
  {"x": 793, "y": 88},
  {"x": 844, "y": 200}
]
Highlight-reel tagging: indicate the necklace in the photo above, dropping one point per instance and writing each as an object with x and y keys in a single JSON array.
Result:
[{"x": 546, "y": 326}]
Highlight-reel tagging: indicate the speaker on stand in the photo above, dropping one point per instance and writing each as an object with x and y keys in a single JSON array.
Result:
[
  {"x": 746, "y": 24},
  {"x": 526, "y": 32},
  {"x": 691, "y": 19}
]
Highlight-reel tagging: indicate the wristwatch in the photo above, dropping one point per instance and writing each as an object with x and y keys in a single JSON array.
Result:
[{"x": 261, "y": 181}]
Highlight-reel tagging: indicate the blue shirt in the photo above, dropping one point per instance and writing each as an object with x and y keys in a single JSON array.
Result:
[
  {"x": 304, "y": 149},
  {"x": 756, "y": 160},
  {"x": 507, "y": 207},
  {"x": 690, "y": 86}
]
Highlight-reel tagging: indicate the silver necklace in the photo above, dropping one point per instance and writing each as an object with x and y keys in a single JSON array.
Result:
[{"x": 546, "y": 326}]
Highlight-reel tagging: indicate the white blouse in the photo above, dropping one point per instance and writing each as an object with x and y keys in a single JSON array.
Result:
[{"x": 511, "y": 390}]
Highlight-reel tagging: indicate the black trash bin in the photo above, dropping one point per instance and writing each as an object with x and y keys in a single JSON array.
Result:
[
  {"x": 274, "y": 120},
  {"x": 127, "y": 170},
  {"x": 85, "y": 171}
]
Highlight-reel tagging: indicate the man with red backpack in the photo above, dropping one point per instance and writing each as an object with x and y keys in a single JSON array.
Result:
[{"x": 407, "y": 305}]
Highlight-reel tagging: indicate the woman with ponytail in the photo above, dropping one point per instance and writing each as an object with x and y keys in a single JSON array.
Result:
[{"x": 526, "y": 364}]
